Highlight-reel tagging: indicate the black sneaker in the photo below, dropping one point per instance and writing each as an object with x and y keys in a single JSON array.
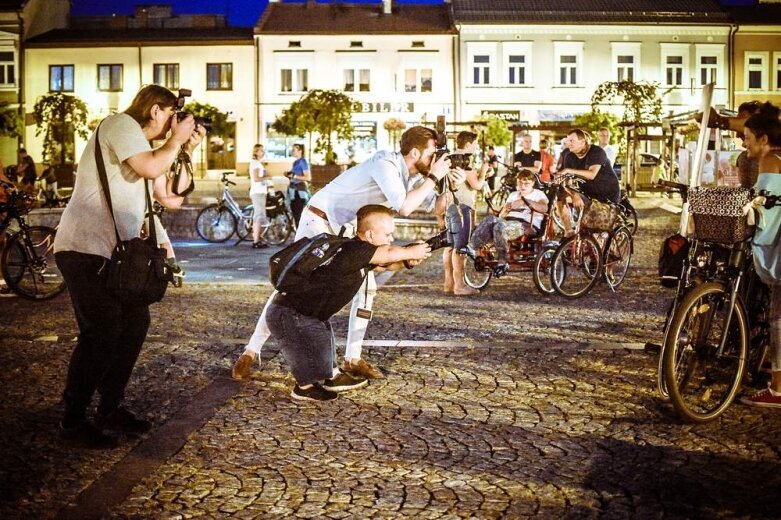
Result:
[
  {"x": 124, "y": 421},
  {"x": 344, "y": 382},
  {"x": 313, "y": 393},
  {"x": 501, "y": 269},
  {"x": 86, "y": 435}
]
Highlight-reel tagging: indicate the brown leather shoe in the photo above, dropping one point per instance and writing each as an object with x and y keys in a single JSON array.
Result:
[
  {"x": 360, "y": 368},
  {"x": 243, "y": 367}
]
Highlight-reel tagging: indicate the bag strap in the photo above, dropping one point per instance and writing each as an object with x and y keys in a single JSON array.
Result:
[{"x": 107, "y": 193}]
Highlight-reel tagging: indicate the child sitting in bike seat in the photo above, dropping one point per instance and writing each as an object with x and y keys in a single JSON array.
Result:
[{"x": 521, "y": 215}]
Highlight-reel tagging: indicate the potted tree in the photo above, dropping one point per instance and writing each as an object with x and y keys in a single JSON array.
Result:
[
  {"x": 59, "y": 116},
  {"x": 326, "y": 114}
]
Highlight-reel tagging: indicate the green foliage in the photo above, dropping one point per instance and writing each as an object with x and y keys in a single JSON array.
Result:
[
  {"x": 58, "y": 116},
  {"x": 326, "y": 112},
  {"x": 204, "y": 110},
  {"x": 10, "y": 122},
  {"x": 496, "y": 131},
  {"x": 592, "y": 121},
  {"x": 641, "y": 100}
]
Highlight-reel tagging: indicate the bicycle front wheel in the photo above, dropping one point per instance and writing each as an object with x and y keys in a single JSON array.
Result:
[
  {"x": 278, "y": 229},
  {"x": 618, "y": 257},
  {"x": 215, "y": 223},
  {"x": 244, "y": 227},
  {"x": 576, "y": 265},
  {"x": 477, "y": 273},
  {"x": 28, "y": 263},
  {"x": 542, "y": 269},
  {"x": 702, "y": 382}
]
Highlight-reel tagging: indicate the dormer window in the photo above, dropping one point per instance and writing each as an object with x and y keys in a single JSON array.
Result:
[
  {"x": 418, "y": 44},
  {"x": 356, "y": 45},
  {"x": 294, "y": 44}
]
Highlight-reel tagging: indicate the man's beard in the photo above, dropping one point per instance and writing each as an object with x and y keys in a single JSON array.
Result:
[{"x": 423, "y": 168}]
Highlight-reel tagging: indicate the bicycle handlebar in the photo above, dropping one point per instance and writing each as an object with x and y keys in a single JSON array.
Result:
[{"x": 224, "y": 179}]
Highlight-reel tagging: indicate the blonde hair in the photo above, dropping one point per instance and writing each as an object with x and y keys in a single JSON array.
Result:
[{"x": 255, "y": 150}]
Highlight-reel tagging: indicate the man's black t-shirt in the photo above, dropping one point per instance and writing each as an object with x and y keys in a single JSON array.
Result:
[
  {"x": 527, "y": 159},
  {"x": 605, "y": 185},
  {"x": 334, "y": 284}
]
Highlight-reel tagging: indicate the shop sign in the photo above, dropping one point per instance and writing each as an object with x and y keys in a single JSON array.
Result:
[
  {"x": 383, "y": 107},
  {"x": 510, "y": 116}
]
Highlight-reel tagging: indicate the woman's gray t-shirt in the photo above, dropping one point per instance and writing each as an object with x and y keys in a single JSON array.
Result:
[{"x": 86, "y": 226}]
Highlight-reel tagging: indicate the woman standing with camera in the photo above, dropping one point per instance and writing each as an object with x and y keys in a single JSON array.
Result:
[
  {"x": 257, "y": 192},
  {"x": 298, "y": 191},
  {"x": 111, "y": 333}
]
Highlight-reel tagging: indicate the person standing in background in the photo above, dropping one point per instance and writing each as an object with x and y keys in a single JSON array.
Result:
[
  {"x": 300, "y": 175},
  {"x": 547, "y": 161},
  {"x": 257, "y": 192}
]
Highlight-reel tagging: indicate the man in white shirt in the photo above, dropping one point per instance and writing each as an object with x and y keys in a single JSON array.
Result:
[
  {"x": 603, "y": 137},
  {"x": 404, "y": 181}
]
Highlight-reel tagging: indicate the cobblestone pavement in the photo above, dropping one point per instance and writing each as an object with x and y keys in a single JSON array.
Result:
[{"x": 540, "y": 407}]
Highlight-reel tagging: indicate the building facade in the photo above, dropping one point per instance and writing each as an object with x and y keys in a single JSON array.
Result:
[
  {"x": 104, "y": 62},
  {"x": 757, "y": 53},
  {"x": 537, "y": 67},
  {"x": 395, "y": 61}
]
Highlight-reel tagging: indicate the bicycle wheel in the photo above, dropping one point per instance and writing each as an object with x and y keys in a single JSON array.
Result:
[
  {"x": 497, "y": 200},
  {"x": 477, "y": 272},
  {"x": 278, "y": 229},
  {"x": 215, "y": 223},
  {"x": 618, "y": 256},
  {"x": 542, "y": 268},
  {"x": 630, "y": 215},
  {"x": 28, "y": 262},
  {"x": 701, "y": 382},
  {"x": 244, "y": 227},
  {"x": 576, "y": 265}
]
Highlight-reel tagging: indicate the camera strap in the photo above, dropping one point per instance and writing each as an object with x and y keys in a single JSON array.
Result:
[{"x": 182, "y": 162}]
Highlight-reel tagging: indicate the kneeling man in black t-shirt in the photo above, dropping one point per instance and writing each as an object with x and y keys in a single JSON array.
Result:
[{"x": 301, "y": 322}]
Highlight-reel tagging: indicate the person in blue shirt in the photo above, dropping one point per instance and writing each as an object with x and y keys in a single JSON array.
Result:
[{"x": 300, "y": 175}]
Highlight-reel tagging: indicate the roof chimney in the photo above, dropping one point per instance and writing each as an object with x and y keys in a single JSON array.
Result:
[{"x": 387, "y": 6}]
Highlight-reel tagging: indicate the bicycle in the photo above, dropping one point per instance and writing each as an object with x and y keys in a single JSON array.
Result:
[
  {"x": 528, "y": 252},
  {"x": 27, "y": 259},
  {"x": 586, "y": 257},
  {"x": 719, "y": 332},
  {"x": 220, "y": 221}
]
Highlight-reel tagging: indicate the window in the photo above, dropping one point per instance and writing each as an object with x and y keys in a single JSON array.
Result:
[
  {"x": 418, "y": 44},
  {"x": 356, "y": 44},
  {"x": 417, "y": 80},
  {"x": 60, "y": 78},
  {"x": 568, "y": 69},
  {"x": 626, "y": 68},
  {"x": 674, "y": 71},
  {"x": 481, "y": 69},
  {"x": 626, "y": 60},
  {"x": 756, "y": 71},
  {"x": 294, "y": 80},
  {"x": 167, "y": 75},
  {"x": 363, "y": 78},
  {"x": 219, "y": 76},
  {"x": 294, "y": 44},
  {"x": 709, "y": 69},
  {"x": 516, "y": 70},
  {"x": 777, "y": 69},
  {"x": 110, "y": 78},
  {"x": 569, "y": 60},
  {"x": 7, "y": 69}
]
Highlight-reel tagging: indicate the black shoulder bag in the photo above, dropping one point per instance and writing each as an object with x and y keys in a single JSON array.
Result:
[{"x": 137, "y": 273}]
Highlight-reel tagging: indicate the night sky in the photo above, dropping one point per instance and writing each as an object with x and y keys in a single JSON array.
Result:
[{"x": 240, "y": 12}]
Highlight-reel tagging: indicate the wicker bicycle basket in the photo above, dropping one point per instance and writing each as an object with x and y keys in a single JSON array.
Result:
[{"x": 718, "y": 214}]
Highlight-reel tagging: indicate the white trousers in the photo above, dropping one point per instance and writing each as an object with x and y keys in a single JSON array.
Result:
[{"x": 309, "y": 226}]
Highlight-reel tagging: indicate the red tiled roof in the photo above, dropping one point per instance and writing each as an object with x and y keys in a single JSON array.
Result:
[{"x": 340, "y": 18}]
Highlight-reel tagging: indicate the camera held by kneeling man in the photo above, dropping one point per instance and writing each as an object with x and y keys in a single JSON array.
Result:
[{"x": 300, "y": 320}]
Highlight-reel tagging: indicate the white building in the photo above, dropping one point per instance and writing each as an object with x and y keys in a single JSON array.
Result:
[
  {"x": 107, "y": 65},
  {"x": 535, "y": 66},
  {"x": 395, "y": 60}
]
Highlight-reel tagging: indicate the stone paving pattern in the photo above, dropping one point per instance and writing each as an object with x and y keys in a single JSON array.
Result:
[{"x": 536, "y": 416}]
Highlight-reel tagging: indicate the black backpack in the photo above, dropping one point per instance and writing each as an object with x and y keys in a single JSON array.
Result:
[
  {"x": 291, "y": 268},
  {"x": 674, "y": 251}
]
